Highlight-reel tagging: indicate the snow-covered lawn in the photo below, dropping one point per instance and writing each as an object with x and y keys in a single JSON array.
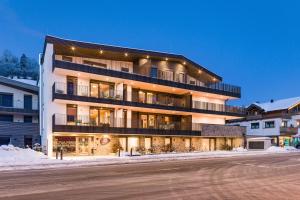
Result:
[{"x": 16, "y": 158}]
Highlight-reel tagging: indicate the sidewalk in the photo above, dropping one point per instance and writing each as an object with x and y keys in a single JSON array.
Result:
[{"x": 39, "y": 161}]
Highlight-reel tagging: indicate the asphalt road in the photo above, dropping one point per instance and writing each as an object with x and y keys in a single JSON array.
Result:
[{"x": 250, "y": 177}]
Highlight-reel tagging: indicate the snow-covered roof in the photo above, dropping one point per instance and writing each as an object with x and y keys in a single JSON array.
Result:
[
  {"x": 27, "y": 81},
  {"x": 278, "y": 104}
]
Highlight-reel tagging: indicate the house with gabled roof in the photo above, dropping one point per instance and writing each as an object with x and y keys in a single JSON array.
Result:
[
  {"x": 19, "y": 113},
  {"x": 278, "y": 119}
]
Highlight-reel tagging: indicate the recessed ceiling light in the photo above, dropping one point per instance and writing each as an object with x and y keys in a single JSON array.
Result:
[
  {"x": 147, "y": 57},
  {"x": 214, "y": 79},
  {"x": 199, "y": 71},
  {"x": 126, "y": 54},
  {"x": 73, "y": 48},
  {"x": 184, "y": 63},
  {"x": 101, "y": 51},
  {"x": 167, "y": 59}
]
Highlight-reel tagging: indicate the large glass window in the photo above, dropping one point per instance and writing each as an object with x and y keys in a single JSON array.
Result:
[
  {"x": 151, "y": 121},
  {"x": 101, "y": 116},
  {"x": 150, "y": 98},
  {"x": 94, "y": 90},
  {"x": 142, "y": 97},
  {"x": 71, "y": 114},
  {"x": 28, "y": 102},
  {"x": 144, "y": 121}
]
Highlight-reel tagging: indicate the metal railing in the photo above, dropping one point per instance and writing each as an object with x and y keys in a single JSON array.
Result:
[
  {"x": 218, "y": 107},
  {"x": 86, "y": 120},
  {"x": 84, "y": 90},
  {"x": 18, "y": 104},
  {"x": 174, "y": 77}
]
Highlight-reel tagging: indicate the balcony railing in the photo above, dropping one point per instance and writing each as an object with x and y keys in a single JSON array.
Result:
[
  {"x": 83, "y": 90},
  {"x": 106, "y": 122},
  {"x": 17, "y": 107},
  {"x": 288, "y": 130},
  {"x": 84, "y": 124},
  {"x": 218, "y": 107},
  {"x": 173, "y": 77}
]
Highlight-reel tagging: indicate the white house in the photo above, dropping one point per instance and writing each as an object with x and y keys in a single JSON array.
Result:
[{"x": 276, "y": 119}]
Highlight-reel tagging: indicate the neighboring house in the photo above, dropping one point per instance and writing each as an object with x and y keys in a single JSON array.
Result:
[
  {"x": 276, "y": 119},
  {"x": 19, "y": 115},
  {"x": 95, "y": 98}
]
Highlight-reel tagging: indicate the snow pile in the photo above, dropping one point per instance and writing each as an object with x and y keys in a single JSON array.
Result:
[
  {"x": 239, "y": 149},
  {"x": 281, "y": 149},
  {"x": 18, "y": 156}
]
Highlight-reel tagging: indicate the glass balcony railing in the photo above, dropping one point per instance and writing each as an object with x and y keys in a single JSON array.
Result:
[
  {"x": 84, "y": 90},
  {"x": 106, "y": 122}
]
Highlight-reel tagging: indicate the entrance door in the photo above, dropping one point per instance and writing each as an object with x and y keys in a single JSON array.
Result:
[
  {"x": 83, "y": 145},
  {"x": 205, "y": 144},
  {"x": 147, "y": 143},
  {"x": 133, "y": 143},
  {"x": 71, "y": 85}
]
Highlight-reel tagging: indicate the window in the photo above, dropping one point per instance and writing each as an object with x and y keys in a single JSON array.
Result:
[
  {"x": 284, "y": 124},
  {"x": 6, "y": 100},
  {"x": 67, "y": 58},
  {"x": 4, "y": 140},
  {"x": 94, "y": 64},
  {"x": 142, "y": 97},
  {"x": 27, "y": 119},
  {"x": 269, "y": 124},
  {"x": 124, "y": 69},
  {"x": 71, "y": 113},
  {"x": 7, "y": 118},
  {"x": 255, "y": 125},
  {"x": 153, "y": 72},
  {"x": 28, "y": 102}
]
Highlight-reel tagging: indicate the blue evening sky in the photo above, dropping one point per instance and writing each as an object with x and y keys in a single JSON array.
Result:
[{"x": 254, "y": 44}]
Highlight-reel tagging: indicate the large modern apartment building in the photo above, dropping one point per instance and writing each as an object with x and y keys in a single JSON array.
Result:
[
  {"x": 19, "y": 114},
  {"x": 95, "y": 98}
]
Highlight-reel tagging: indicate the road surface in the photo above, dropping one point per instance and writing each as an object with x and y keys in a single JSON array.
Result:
[{"x": 274, "y": 176}]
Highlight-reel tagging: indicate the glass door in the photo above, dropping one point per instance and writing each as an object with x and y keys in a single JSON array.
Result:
[{"x": 71, "y": 85}]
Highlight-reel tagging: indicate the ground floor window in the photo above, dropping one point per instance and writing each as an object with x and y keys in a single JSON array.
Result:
[
  {"x": 67, "y": 143},
  {"x": 4, "y": 140}
]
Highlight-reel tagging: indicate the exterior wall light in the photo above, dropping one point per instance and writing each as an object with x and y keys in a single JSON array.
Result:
[
  {"x": 73, "y": 48},
  {"x": 126, "y": 54},
  {"x": 101, "y": 51},
  {"x": 167, "y": 59}
]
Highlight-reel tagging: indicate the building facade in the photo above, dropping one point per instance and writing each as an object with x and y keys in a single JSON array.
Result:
[
  {"x": 19, "y": 115},
  {"x": 278, "y": 120},
  {"x": 97, "y": 98}
]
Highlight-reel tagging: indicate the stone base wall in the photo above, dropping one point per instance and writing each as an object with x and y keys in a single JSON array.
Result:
[{"x": 104, "y": 144}]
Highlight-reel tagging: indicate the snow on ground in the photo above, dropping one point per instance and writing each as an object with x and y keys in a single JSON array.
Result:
[{"x": 16, "y": 158}]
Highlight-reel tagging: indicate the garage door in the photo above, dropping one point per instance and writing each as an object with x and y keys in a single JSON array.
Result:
[
  {"x": 256, "y": 145},
  {"x": 4, "y": 140}
]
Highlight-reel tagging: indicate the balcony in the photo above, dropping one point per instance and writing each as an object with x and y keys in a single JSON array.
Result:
[
  {"x": 82, "y": 93},
  {"x": 287, "y": 131},
  {"x": 84, "y": 124},
  {"x": 161, "y": 78},
  {"x": 17, "y": 107}
]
